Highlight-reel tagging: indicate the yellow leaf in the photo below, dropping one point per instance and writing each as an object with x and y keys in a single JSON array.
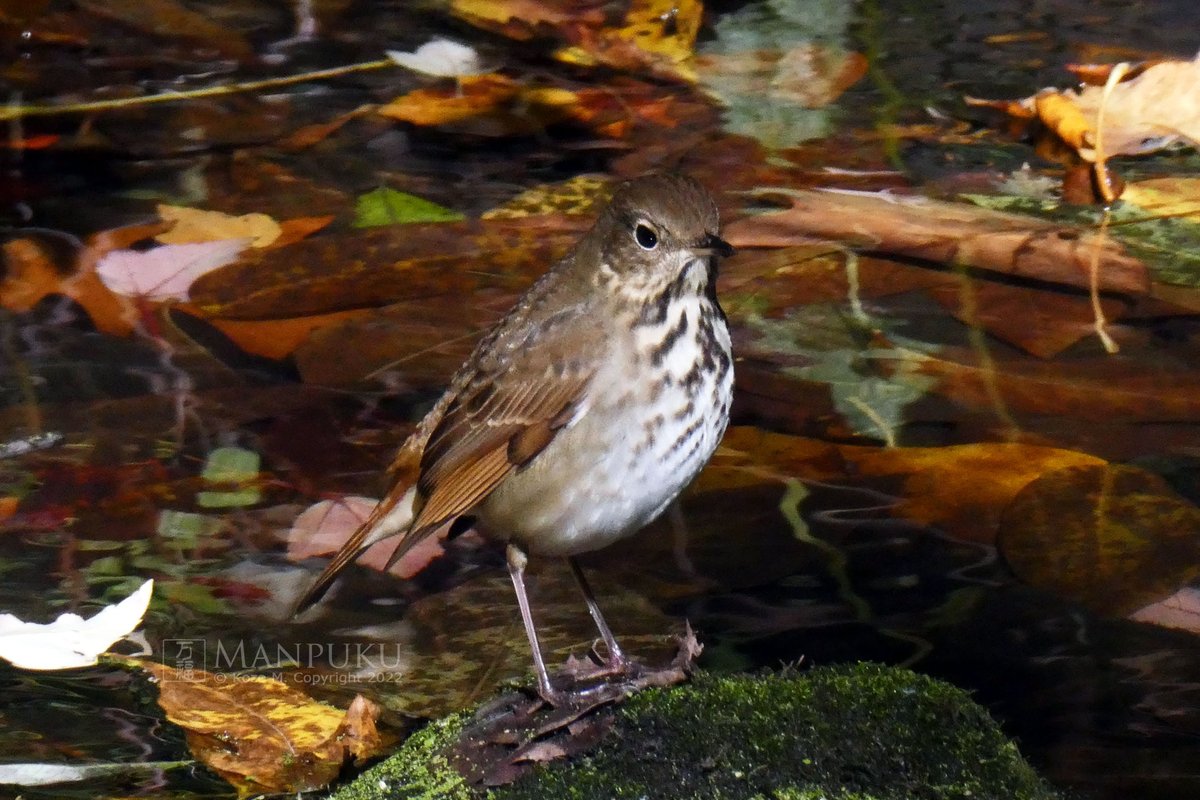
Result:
[
  {"x": 659, "y": 34},
  {"x": 1175, "y": 197},
  {"x": 259, "y": 733},
  {"x": 194, "y": 225}
]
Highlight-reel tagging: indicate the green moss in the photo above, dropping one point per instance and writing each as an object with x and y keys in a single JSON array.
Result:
[
  {"x": 861, "y": 732},
  {"x": 847, "y": 732},
  {"x": 418, "y": 771}
]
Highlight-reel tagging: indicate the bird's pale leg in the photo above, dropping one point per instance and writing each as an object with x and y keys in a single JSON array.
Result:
[
  {"x": 616, "y": 660},
  {"x": 516, "y": 569}
]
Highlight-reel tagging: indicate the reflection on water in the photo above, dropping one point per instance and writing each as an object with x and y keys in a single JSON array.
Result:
[{"x": 818, "y": 546}]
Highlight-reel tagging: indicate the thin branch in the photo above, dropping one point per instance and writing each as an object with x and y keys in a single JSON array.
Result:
[{"x": 17, "y": 111}]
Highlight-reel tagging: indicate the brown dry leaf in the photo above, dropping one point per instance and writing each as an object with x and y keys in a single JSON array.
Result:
[
  {"x": 322, "y": 528},
  {"x": 961, "y": 489},
  {"x": 1042, "y": 323},
  {"x": 309, "y": 135},
  {"x": 1124, "y": 392},
  {"x": 169, "y": 19},
  {"x": 1111, "y": 537},
  {"x": 374, "y": 267},
  {"x": 262, "y": 735},
  {"x": 947, "y": 233},
  {"x": 654, "y": 35},
  {"x": 194, "y": 225}
]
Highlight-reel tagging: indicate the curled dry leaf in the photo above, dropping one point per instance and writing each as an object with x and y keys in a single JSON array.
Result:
[{"x": 1156, "y": 107}]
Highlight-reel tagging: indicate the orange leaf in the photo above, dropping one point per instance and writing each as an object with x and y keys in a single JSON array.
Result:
[
  {"x": 31, "y": 277},
  {"x": 472, "y": 96},
  {"x": 277, "y": 338}
]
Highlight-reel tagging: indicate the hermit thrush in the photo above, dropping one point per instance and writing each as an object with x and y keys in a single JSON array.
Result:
[{"x": 587, "y": 409}]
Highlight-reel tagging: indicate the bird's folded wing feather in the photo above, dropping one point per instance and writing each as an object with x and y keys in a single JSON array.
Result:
[{"x": 493, "y": 420}]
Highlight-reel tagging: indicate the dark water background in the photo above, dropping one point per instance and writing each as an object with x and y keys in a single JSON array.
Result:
[{"x": 1104, "y": 707}]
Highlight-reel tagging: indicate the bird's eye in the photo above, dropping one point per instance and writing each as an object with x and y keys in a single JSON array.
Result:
[{"x": 646, "y": 238}]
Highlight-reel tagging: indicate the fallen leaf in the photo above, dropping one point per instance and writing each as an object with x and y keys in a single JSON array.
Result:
[
  {"x": 262, "y": 735},
  {"x": 322, "y": 528},
  {"x": 961, "y": 489},
  {"x": 236, "y": 468},
  {"x": 279, "y": 338},
  {"x": 947, "y": 233},
  {"x": 1110, "y": 537},
  {"x": 71, "y": 641},
  {"x": 297, "y": 228},
  {"x": 171, "y": 20},
  {"x": 472, "y": 96},
  {"x": 30, "y": 276},
  {"x": 1150, "y": 109},
  {"x": 578, "y": 195},
  {"x": 165, "y": 272},
  {"x": 655, "y": 35},
  {"x": 1181, "y": 610},
  {"x": 193, "y": 225},
  {"x": 809, "y": 75},
  {"x": 385, "y": 206},
  {"x": 1040, "y": 322},
  {"x": 525, "y": 19},
  {"x": 1166, "y": 197}
]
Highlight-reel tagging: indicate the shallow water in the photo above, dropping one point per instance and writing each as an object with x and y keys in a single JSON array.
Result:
[{"x": 805, "y": 547}]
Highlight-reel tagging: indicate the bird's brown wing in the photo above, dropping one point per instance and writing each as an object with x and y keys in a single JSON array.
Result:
[{"x": 493, "y": 419}]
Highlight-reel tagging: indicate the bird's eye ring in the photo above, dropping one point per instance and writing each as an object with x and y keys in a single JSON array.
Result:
[{"x": 645, "y": 236}]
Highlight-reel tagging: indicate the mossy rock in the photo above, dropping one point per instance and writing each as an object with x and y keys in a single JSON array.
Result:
[{"x": 862, "y": 731}]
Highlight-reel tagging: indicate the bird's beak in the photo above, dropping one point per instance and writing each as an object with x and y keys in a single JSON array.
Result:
[{"x": 712, "y": 244}]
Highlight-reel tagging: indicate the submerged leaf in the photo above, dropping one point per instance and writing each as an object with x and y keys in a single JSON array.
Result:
[
  {"x": 231, "y": 465},
  {"x": 385, "y": 206},
  {"x": 192, "y": 225},
  {"x": 1110, "y": 537}
]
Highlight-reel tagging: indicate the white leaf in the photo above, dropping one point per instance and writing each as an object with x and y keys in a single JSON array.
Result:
[
  {"x": 71, "y": 641},
  {"x": 441, "y": 58},
  {"x": 166, "y": 272}
]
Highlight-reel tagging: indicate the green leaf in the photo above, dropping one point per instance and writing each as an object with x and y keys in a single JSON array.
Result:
[
  {"x": 231, "y": 465},
  {"x": 184, "y": 529},
  {"x": 836, "y": 343},
  {"x": 385, "y": 206}
]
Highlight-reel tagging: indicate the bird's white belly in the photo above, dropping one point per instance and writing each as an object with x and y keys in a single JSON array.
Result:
[{"x": 625, "y": 457}]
